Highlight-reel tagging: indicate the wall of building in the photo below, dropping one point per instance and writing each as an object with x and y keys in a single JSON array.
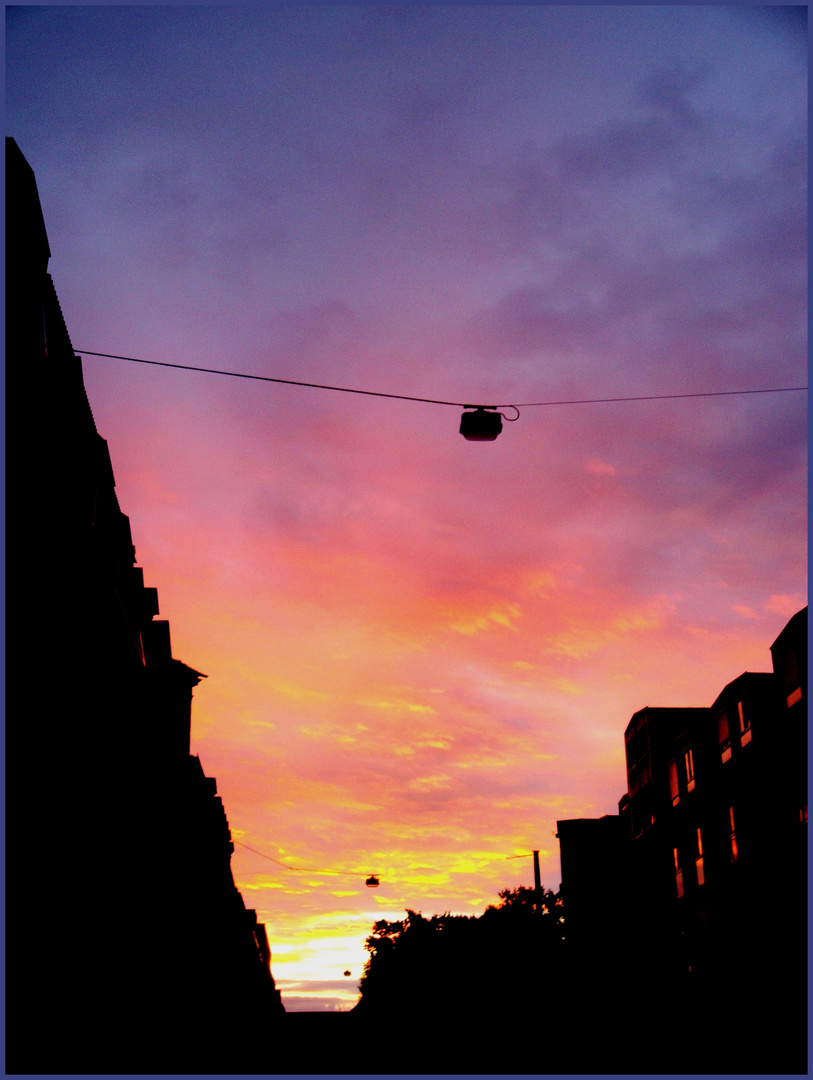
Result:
[
  {"x": 702, "y": 924},
  {"x": 129, "y": 949}
]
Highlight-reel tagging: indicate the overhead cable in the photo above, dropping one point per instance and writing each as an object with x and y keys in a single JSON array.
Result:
[
  {"x": 268, "y": 378},
  {"x": 357, "y": 873},
  {"x": 302, "y": 869},
  {"x": 436, "y": 401}
]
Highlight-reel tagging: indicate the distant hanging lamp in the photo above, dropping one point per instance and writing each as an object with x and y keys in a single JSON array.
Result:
[
  {"x": 484, "y": 423},
  {"x": 371, "y": 882}
]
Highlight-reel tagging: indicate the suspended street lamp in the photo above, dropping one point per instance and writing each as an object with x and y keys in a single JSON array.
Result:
[{"x": 484, "y": 424}]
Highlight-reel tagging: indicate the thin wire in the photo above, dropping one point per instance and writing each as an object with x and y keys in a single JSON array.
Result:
[
  {"x": 287, "y": 382},
  {"x": 305, "y": 869},
  {"x": 357, "y": 873},
  {"x": 436, "y": 401},
  {"x": 499, "y": 858},
  {"x": 661, "y": 397}
]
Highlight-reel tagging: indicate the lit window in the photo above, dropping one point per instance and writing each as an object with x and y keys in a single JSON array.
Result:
[
  {"x": 698, "y": 862},
  {"x": 678, "y": 875},
  {"x": 723, "y": 737},
  {"x": 795, "y": 696},
  {"x": 733, "y": 836},
  {"x": 687, "y": 757},
  {"x": 673, "y": 783},
  {"x": 745, "y": 725}
]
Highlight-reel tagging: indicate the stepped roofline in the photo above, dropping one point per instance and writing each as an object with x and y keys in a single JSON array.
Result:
[{"x": 27, "y": 247}]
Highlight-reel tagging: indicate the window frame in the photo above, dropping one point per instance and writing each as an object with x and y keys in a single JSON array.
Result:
[
  {"x": 745, "y": 724},
  {"x": 698, "y": 862},
  {"x": 724, "y": 736},
  {"x": 688, "y": 765},
  {"x": 674, "y": 783},
  {"x": 681, "y": 891}
]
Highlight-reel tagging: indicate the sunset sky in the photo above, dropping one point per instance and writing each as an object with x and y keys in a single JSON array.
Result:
[{"x": 422, "y": 651}]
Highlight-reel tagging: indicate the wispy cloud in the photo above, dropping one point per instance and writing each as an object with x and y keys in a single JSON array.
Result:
[{"x": 423, "y": 652}]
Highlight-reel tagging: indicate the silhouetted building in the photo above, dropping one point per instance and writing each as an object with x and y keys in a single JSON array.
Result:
[
  {"x": 129, "y": 948},
  {"x": 710, "y": 846},
  {"x": 596, "y": 872}
]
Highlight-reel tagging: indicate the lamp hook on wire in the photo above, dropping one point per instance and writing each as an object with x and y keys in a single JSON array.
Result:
[{"x": 484, "y": 423}]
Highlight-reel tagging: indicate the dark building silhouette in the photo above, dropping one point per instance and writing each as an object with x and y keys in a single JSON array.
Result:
[
  {"x": 596, "y": 871},
  {"x": 129, "y": 948},
  {"x": 696, "y": 892}
]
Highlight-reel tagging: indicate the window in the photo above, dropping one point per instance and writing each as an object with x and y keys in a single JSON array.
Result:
[
  {"x": 640, "y": 776},
  {"x": 698, "y": 862},
  {"x": 673, "y": 783},
  {"x": 723, "y": 736},
  {"x": 745, "y": 724},
  {"x": 733, "y": 835},
  {"x": 678, "y": 875},
  {"x": 689, "y": 760}
]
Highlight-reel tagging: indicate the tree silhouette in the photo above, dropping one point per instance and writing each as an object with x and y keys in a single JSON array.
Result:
[
  {"x": 477, "y": 966},
  {"x": 523, "y": 897}
]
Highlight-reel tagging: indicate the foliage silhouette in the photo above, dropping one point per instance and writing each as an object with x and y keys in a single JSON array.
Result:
[{"x": 459, "y": 965}]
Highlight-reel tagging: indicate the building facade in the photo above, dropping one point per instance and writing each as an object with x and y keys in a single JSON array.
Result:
[
  {"x": 129, "y": 948},
  {"x": 697, "y": 889}
]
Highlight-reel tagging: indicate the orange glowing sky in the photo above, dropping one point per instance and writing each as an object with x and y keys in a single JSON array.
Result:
[{"x": 421, "y": 652}]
